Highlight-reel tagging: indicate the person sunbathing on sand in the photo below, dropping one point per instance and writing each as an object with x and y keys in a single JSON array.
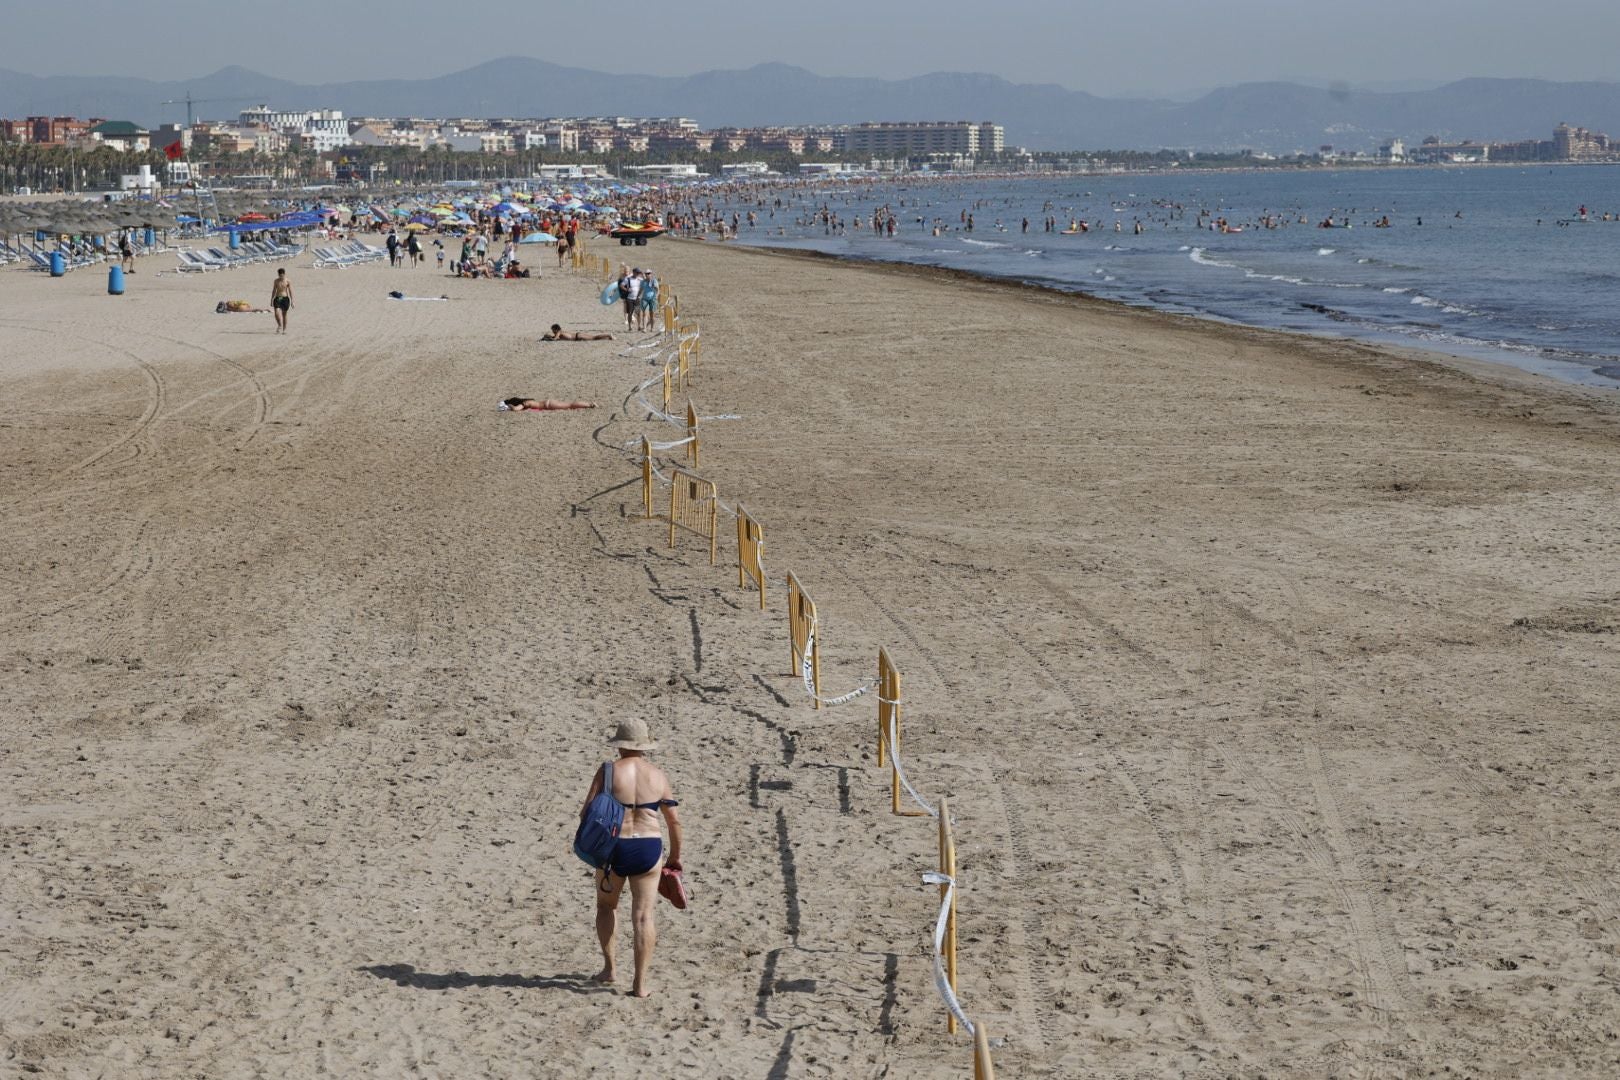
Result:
[
  {"x": 522, "y": 404},
  {"x": 559, "y": 334}
]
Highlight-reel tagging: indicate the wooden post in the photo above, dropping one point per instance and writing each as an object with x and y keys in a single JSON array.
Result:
[
  {"x": 947, "y": 866},
  {"x": 983, "y": 1067}
]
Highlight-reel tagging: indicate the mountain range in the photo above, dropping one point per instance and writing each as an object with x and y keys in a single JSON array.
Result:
[{"x": 1276, "y": 117}]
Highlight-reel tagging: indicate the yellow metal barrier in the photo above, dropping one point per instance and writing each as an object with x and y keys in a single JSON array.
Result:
[
  {"x": 607, "y": 271},
  {"x": 683, "y": 359},
  {"x": 947, "y": 866},
  {"x": 646, "y": 478},
  {"x": 692, "y": 434},
  {"x": 694, "y": 505},
  {"x": 806, "y": 651},
  {"x": 888, "y": 691},
  {"x": 669, "y": 316},
  {"x": 751, "y": 553},
  {"x": 669, "y": 382}
]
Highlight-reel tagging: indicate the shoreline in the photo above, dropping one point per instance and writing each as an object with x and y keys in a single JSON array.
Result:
[{"x": 1488, "y": 371}]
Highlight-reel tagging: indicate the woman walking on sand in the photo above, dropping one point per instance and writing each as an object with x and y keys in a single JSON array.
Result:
[{"x": 644, "y": 791}]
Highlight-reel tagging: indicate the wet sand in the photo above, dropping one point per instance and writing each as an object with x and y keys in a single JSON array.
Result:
[{"x": 1269, "y": 678}]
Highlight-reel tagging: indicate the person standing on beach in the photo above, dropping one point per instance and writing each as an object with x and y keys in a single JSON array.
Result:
[
  {"x": 630, "y": 293},
  {"x": 638, "y": 856},
  {"x": 281, "y": 299},
  {"x": 393, "y": 248}
]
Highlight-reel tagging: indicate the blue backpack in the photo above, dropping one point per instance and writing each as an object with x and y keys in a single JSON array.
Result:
[{"x": 599, "y": 829}]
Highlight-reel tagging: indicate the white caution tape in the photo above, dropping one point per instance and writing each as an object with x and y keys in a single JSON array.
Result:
[
  {"x": 807, "y": 670},
  {"x": 900, "y": 770},
  {"x": 673, "y": 445},
  {"x": 656, "y": 341},
  {"x": 941, "y": 982}
]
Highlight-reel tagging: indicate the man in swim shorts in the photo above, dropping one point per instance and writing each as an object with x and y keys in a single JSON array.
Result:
[
  {"x": 638, "y": 856},
  {"x": 281, "y": 299}
]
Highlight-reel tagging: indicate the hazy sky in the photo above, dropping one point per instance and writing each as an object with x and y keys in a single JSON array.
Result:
[{"x": 1133, "y": 47}]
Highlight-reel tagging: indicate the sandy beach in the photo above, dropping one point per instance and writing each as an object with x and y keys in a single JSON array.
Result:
[{"x": 1270, "y": 680}]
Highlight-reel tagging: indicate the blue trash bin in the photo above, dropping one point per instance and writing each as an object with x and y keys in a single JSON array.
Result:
[
  {"x": 149, "y": 237},
  {"x": 236, "y": 240},
  {"x": 58, "y": 264},
  {"x": 115, "y": 281}
]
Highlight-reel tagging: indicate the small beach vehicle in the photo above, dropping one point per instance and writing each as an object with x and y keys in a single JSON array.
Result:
[{"x": 636, "y": 232}]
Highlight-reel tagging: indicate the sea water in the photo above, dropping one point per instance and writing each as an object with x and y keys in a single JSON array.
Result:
[{"x": 1485, "y": 262}]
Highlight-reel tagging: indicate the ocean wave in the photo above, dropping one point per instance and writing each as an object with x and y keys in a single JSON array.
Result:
[
  {"x": 1198, "y": 256},
  {"x": 1445, "y": 306},
  {"x": 1328, "y": 251},
  {"x": 985, "y": 243},
  {"x": 1397, "y": 289}
]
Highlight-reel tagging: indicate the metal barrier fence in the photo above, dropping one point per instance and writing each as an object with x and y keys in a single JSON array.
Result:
[
  {"x": 750, "y": 553},
  {"x": 646, "y": 478},
  {"x": 687, "y": 354},
  {"x": 694, "y": 505},
  {"x": 888, "y": 691},
  {"x": 802, "y": 638},
  {"x": 692, "y": 445}
]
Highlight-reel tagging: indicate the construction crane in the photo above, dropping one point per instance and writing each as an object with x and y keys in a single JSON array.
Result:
[{"x": 188, "y": 101}]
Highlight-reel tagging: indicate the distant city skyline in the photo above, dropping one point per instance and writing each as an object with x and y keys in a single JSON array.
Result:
[{"x": 1171, "y": 48}]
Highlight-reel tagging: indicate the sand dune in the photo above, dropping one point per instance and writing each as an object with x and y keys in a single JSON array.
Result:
[{"x": 1268, "y": 679}]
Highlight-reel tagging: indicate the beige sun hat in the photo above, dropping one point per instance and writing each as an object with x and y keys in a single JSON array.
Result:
[{"x": 632, "y": 734}]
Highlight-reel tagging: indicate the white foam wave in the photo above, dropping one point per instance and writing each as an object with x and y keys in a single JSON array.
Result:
[
  {"x": 1397, "y": 289},
  {"x": 1198, "y": 256},
  {"x": 1326, "y": 251},
  {"x": 985, "y": 243}
]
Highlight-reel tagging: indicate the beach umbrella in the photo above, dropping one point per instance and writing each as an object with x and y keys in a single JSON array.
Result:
[{"x": 538, "y": 238}]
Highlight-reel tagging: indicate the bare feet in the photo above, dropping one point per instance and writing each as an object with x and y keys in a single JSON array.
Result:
[
  {"x": 604, "y": 976},
  {"x": 640, "y": 992}
]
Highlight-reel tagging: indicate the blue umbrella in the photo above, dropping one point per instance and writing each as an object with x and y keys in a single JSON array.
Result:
[{"x": 538, "y": 238}]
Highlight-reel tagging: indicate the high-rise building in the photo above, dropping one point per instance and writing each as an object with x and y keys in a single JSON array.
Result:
[{"x": 960, "y": 138}]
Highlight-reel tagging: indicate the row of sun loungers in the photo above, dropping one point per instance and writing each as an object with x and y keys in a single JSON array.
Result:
[
  {"x": 200, "y": 260},
  {"x": 73, "y": 256},
  {"x": 349, "y": 254}
]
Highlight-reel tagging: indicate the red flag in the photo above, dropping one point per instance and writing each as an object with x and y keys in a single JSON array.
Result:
[{"x": 174, "y": 151}]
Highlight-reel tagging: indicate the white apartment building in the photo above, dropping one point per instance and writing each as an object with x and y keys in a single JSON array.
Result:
[
  {"x": 323, "y": 129},
  {"x": 908, "y": 139}
]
